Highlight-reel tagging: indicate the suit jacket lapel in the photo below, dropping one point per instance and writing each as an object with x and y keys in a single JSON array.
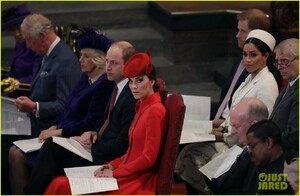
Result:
[
  {"x": 250, "y": 84},
  {"x": 280, "y": 99},
  {"x": 49, "y": 59}
]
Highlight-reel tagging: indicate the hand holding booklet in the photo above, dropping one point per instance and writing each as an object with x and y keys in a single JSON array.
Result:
[
  {"x": 30, "y": 145},
  {"x": 13, "y": 121},
  {"x": 73, "y": 146},
  {"x": 82, "y": 180},
  {"x": 222, "y": 163}
]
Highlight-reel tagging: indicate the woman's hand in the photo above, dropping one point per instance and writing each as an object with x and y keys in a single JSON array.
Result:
[
  {"x": 105, "y": 171},
  {"x": 49, "y": 133}
]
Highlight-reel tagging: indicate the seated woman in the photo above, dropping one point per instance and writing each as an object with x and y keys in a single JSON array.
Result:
[
  {"x": 260, "y": 83},
  {"x": 24, "y": 62},
  {"x": 257, "y": 53},
  {"x": 136, "y": 171},
  {"x": 85, "y": 106}
]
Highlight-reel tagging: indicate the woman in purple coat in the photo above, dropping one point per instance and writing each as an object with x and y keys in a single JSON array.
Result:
[
  {"x": 24, "y": 62},
  {"x": 85, "y": 106}
]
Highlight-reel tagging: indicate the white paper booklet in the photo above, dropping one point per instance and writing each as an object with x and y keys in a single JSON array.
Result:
[
  {"x": 73, "y": 146},
  {"x": 222, "y": 163},
  {"x": 196, "y": 131},
  {"x": 28, "y": 145},
  {"x": 82, "y": 180},
  {"x": 13, "y": 122},
  {"x": 197, "y": 107}
]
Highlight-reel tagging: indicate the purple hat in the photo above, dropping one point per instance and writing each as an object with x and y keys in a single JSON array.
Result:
[
  {"x": 91, "y": 39},
  {"x": 14, "y": 16}
]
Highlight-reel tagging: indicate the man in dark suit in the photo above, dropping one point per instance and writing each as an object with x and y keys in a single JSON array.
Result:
[
  {"x": 110, "y": 142},
  {"x": 57, "y": 76},
  {"x": 247, "y": 21},
  {"x": 286, "y": 108},
  {"x": 51, "y": 84},
  {"x": 263, "y": 157}
]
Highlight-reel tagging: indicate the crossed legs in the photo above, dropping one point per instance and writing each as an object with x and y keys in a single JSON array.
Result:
[{"x": 19, "y": 170}]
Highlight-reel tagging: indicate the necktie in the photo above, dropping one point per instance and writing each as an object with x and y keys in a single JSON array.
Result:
[
  {"x": 229, "y": 92},
  {"x": 43, "y": 60},
  {"x": 287, "y": 89},
  {"x": 111, "y": 105}
]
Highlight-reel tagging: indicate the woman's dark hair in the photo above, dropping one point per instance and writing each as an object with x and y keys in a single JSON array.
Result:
[
  {"x": 265, "y": 129},
  {"x": 263, "y": 48},
  {"x": 152, "y": 76}
]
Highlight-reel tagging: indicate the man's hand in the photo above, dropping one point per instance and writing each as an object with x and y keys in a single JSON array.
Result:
[
  {"x": 217, "y": 122},
  {"x": 87, "y": 138},
  {"x": 218, "y": 133},
  {"x": 24, "y": 104}
]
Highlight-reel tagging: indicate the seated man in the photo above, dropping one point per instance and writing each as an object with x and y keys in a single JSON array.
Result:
[
  {"x": 192, "y": 157},
  {"x": 286, "y": 109},
  {"x": 110, "y": 142},
  {"x": 259, "y": 168}
]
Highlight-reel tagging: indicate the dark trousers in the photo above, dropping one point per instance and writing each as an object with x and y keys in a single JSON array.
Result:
[{"x": 50, "y": 162}]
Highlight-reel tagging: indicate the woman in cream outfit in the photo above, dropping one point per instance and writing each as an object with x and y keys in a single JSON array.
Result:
[{"x": 257, "y": 54}]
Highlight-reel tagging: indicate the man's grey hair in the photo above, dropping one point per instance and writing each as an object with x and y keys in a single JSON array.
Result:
[
  {"x": 36, "y": 23},
  {"x": 292, "y": 46},
  {"x": 257, "y": 109}
]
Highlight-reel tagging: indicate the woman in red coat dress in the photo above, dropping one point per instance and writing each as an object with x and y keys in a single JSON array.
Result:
[{"x": 136, "y": 171}]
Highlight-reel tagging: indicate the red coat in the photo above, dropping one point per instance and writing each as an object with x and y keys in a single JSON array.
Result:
[{"x": 136, "y": 171}]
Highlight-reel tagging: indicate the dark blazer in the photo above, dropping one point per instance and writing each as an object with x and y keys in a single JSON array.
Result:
[
  {"x": 232, "y": 181},
  {"x": 286, "y": 115},
  {"x": 85, "y": 106},
  {"x": 114, "y": 140},
  {"x": 243, "y": 177},
  {"x": 52, "y": 158},
  {"x": 52, "y": 84},
  {"x": 254, "y": 186}
]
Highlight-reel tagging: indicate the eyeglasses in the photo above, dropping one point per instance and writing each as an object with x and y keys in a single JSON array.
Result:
[
  {"x": 237, "y": 126},
  {"x": 284, "y": 62},
  {"x": 250, "y": 147}
]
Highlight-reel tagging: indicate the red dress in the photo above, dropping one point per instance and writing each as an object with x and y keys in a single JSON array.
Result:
[{"x": 136, "y": 171}]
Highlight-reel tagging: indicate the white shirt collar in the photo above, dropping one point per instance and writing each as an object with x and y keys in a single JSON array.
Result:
[
  {"x": 293, "y": 82},
  {"x": 121, "y": 86},
  {"x": 57, "y": 39}
]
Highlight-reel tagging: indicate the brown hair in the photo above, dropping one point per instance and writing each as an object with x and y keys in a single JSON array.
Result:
[
  {"x": 127, "y": 49},
  {"x": 256, "y": 18}
]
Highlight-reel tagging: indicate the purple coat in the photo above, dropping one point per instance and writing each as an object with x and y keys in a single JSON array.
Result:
[
  {"x": 85, "y": 107},
  {"x": 23, "y": 63}
]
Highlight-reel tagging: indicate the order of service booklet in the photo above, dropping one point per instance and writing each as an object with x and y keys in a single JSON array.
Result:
[
  {"x": 74, "y": 146},
  {"x": 82, "y": 180},
  {"x": 222, "y": 163},
  {"x": 30, "y": 145}
]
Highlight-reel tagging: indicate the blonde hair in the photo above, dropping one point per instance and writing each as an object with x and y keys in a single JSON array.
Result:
[{"x": 98, "y": 57}]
